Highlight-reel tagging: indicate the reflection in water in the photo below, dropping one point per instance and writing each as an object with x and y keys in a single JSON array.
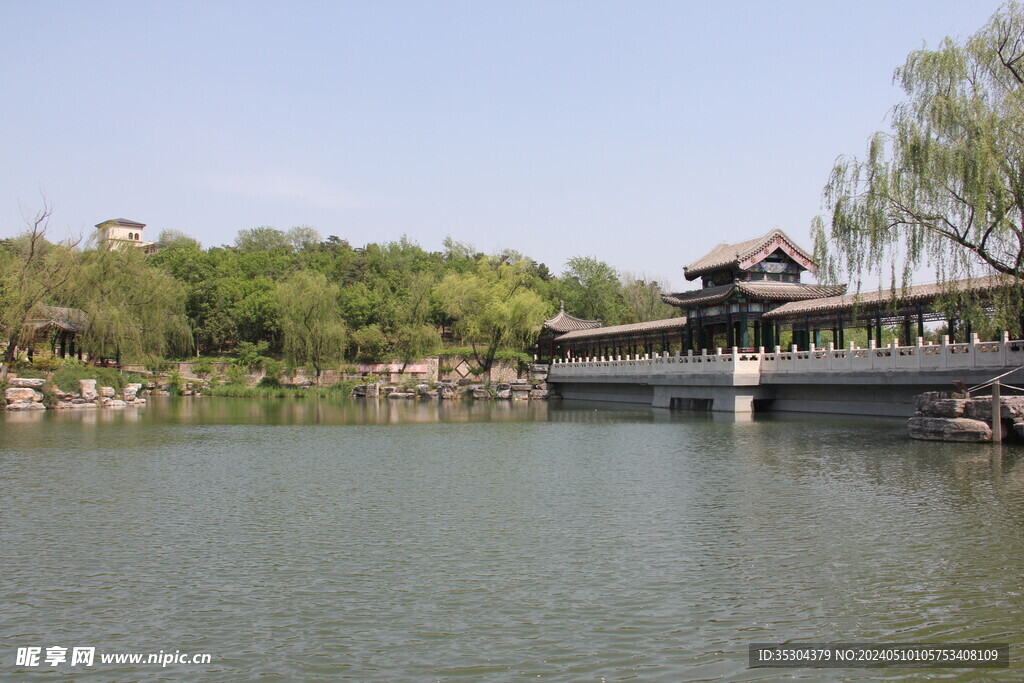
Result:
[{"x": 384, "y": 540}]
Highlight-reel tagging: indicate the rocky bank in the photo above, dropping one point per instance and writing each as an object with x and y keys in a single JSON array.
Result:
[
  {"x": 947, "y": 416},
  {"x": 25, "y": 393},
  {"x": 533, "y": 388}
]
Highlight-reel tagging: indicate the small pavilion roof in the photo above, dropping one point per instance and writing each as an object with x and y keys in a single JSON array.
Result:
[
  {"x": 563, "y": 322},
  {"x": 765, "y": 290},
  {"x": 66, "y": 319},
  {"x": 882, "y": 297},
  {"x": 623, "y": 330},
  {"x": 733, "y": 254}
]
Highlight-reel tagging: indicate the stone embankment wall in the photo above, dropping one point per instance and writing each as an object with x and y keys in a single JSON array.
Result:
[
  {"x": 26, "y": 394},
  {"x": 946, "y": 416},
  {"x": 455, "y": 369},
  {"x": 534, "y": 387}
]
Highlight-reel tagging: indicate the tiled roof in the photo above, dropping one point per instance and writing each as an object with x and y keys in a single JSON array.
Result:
[
  {"x": 617, "y": 330},
  {"x": 909, "y": 295},
  {"x": 122, "y": 221},
  {"x": 787, "y": 291},
  {"x": 760, "y": 289},
  {"x": 67, "y": 319},
  {"x": 563, "y": 322},
  {"x": 699, "y": 297},
  {"x": 731, "y": 254}
]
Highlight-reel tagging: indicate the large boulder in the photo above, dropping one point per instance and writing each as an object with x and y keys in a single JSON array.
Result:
[
  {"x": 947, "y": 407},
  {"x": 22, "y": 394},
  {"x": 446, "y": 391},
  {"x": 504, "y": 393},
  {"x": 131, "y": 391},
  {"x": 107, "y": 392},
  {"x": 939, "y": 404},
  {"x": 401, "y": 394},
  {"x": 25, "y": 405},
  {"x": 539, "y": 393},
  {"x": 27, "y": 382},
  {"x": 948, "y": 429},
  {"x": 88, "y": 389},
  {"x": 481, "y": 392},
  {"x": 366, "y": 390},
  {"x": 1010, "y": 408}
]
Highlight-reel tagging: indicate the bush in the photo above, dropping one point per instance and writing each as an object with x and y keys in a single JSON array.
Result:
[
  {"x": 50, "y": 399},
  {"x": 175, "y": 383},
  {"x": 66, "y": 378},
  {"x": 252, "y": 356},
  {"x": 237, "y": 374},
  {"x": 154, "y": 364},
  {"x": 269, "y": 381},
  {"x": 25, "y": 370},
  {"x": 202, "y": 367},
  {"x": 132, "y": 378},
  {"x": 274, "y": 369},
  {"x": 46, "y": 363}
]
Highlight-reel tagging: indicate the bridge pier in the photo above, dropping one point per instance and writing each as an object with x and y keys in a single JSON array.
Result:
[{"x": 719, "y": 399}]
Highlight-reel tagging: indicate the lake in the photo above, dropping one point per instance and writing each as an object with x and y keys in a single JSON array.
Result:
[{"x": 399, "y": 540}]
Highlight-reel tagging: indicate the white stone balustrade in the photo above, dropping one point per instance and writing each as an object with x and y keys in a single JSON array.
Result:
[{"x": 890, "y": 358}]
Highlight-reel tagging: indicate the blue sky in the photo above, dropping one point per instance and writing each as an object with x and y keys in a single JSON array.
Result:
[{"x": 641, "y": 133}]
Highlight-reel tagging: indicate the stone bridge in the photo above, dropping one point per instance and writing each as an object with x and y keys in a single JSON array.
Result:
[{"x": 859, "y": 381}]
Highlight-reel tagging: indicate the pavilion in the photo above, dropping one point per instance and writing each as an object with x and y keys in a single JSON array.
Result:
[
  {"x": 751, "y": 294},
  {"x": 741, "y": 283},
  {"x": 58, "y": 326}
]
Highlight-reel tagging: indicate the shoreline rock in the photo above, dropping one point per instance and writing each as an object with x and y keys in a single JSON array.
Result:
[{"x": 944, "y": 416}]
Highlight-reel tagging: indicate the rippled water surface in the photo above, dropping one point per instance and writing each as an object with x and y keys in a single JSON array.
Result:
[{"x": 408, "y": 541}]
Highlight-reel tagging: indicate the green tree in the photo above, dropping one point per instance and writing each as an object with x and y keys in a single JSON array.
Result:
[
  {"x": 643, "y": 302},
  {"x": 135, "y": 310},
  {"x": 591, "y": 290},
  {"x": 303, "y": 237},
  {"x": 263, "y": 238},
  {"x": 33, "y": 271},
  {"x": 492, "y": 307},
  {"x": 944, "y": 187},
  {"x": 312, "y": 330},
  {"x": 369, "y": 344},
  {"x": 414, "y": 336}
]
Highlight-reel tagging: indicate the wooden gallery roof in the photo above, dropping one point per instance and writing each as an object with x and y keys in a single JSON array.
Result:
[
  {"x": 755, "y": 289},
  {"x": 886, "y": 297},
  {"x": 633, "y": 330},
  {"x": 563, "y": 322}
]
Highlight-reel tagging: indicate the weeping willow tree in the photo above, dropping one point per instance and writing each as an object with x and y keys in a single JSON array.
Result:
[
  {"x": 135, "y": 311},
  {"x": 944, "y": 188},
  {"x": 312, "y": 330},
  {"x": 492, "y": 307},
  {"x": 33, "y": 271}
]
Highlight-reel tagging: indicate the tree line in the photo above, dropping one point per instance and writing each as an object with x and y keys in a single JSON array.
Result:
[{"x": 312, "y": 301}]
